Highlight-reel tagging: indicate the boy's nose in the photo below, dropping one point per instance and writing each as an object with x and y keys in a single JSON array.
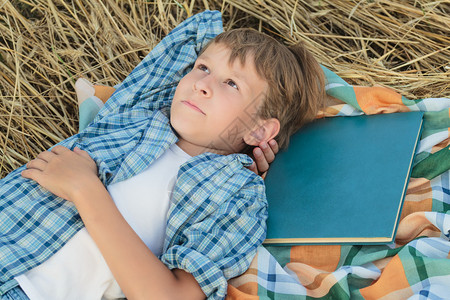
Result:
[{"x": 203, "y": 86}]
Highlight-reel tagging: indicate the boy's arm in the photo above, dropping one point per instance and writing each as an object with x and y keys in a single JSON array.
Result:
[
  {"x": 140, "y": 274},
  {"x": 72, "y": 175}
]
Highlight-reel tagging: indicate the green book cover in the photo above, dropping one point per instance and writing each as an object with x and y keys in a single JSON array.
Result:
[{"x": 342, "y": 180}]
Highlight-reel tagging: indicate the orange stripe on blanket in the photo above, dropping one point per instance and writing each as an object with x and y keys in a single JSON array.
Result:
[
  {"x": 377, "y": 100},
  {"x": 410, "y": 207},
  {"x": 418, "y": 186},
  {"x": 247, "y": 291},
  {"x": 316, "y": 282},
  {"x": 418, "y": 197},
  {"x": 392, "y": 280},
  {"x": 330, "y": 111},
  {"x": 414, "y": 225},
  {"x": 322, "y": 257},
  {"x": 313, "y": 265},
  {"x": 441, "y": 145}
]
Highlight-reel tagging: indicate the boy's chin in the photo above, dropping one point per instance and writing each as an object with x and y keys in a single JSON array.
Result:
[{"x": 180, "y": 128}]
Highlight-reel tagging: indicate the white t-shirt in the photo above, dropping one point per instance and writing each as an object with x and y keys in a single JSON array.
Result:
[{"x": 78, "y": 270}]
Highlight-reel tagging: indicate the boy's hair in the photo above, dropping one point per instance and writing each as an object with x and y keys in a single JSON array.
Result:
[{"x": 296, "y": 82}]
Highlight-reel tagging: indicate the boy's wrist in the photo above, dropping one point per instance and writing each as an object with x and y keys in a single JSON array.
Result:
[{"x": 89, "y": 187}]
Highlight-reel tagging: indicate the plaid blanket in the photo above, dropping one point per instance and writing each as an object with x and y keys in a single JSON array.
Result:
[{"x": 416, "y": 265}]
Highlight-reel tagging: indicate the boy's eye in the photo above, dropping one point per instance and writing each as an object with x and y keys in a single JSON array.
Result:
[
  {"x": 232, "y": 84},
  {"x": 203, "y": 68}
]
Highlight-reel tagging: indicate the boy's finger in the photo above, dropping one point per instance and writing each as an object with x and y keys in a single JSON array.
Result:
[
  {"x": 260, "y": 160},
  {"x": 274, "y": 146},
  {"x": 37, "y": 163},
  {"x": 59, "y": 149},
  {"x": 46, "y": 155},
  {"x": 268, "y": 152},
  {"x": 30, "y": 174},
  {"x": 81, "y": 152}
]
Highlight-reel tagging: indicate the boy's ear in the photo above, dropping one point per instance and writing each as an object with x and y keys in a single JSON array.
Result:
[{"x": 264, "y": 130}]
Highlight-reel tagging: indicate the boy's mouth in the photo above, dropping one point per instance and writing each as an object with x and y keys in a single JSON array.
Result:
[{"x": 193, "y": 106}]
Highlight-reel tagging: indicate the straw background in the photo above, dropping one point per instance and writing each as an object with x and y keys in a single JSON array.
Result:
[{"x": 46, "y": 45}]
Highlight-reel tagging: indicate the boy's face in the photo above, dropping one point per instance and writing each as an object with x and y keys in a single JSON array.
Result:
[{"x": 215, "y": 105}]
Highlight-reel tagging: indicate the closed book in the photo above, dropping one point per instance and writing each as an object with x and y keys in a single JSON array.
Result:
[{"x": 342, "y": 180}]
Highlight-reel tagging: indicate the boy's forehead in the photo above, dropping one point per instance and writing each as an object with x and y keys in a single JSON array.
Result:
[
  {"x": 216, "y": 50},
  {"x": 221, "y": 52}
]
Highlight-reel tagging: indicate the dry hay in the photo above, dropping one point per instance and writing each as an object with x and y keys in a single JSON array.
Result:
[{"x": 46, "y": 45}]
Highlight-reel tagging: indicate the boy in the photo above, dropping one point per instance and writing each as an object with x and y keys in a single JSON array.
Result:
[{"x": 244, "y": 88}]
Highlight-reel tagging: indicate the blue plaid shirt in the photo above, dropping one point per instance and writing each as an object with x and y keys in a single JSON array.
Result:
[{"x": 218, "y": 216}]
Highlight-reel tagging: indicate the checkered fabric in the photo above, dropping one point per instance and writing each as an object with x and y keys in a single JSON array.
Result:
[
  {"x": 219, "y": 211},
  {"x": 415, "y": 266}
]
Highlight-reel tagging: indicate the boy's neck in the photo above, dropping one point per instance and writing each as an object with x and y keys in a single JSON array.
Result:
[{"x": 194, "y": 150}]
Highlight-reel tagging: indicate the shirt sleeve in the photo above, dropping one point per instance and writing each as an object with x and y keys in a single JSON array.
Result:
[
  {"x": 222, "y": 245},
  {"x": 152, "y": 83}
]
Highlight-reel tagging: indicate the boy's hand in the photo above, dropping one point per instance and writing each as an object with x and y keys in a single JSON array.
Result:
[
  {"x": 62, "y": 171},
  {"x": 263, "y": 155}
]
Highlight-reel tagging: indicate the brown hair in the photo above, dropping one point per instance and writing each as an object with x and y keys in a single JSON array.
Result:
[{"x": 296, "y": 82}]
